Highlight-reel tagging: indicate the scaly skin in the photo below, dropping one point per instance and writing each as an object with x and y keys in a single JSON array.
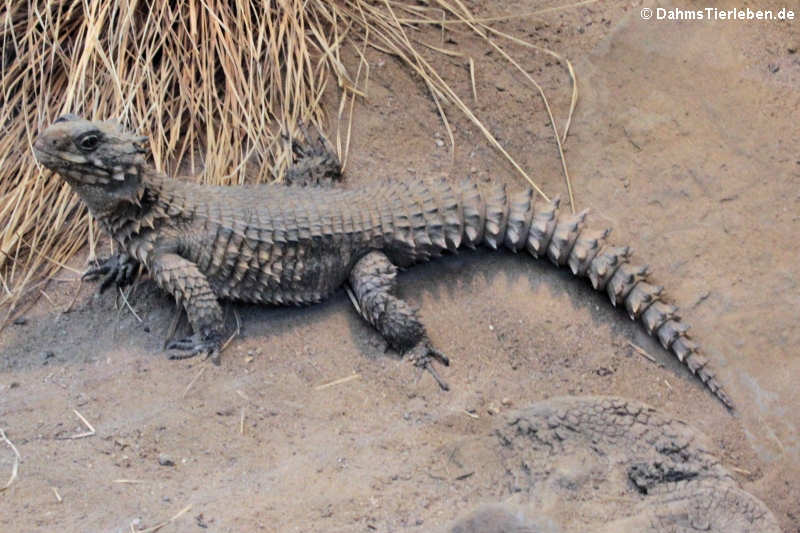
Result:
[
  {"x": 604, "y": 464},
  {"x": 617, "y": 466},
  {"x": 284, "y": 245}
]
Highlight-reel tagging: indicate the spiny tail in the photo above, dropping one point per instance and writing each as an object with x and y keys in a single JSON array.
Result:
[{"x": 496, "y": 219}]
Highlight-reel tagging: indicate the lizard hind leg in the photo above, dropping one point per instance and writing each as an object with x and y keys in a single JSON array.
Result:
[
  {"x": 316, "y": 161},
  {"x": 373, "y": 279}
]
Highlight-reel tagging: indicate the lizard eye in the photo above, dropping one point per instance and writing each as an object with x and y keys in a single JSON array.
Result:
[{"x": 88, "y": 142}]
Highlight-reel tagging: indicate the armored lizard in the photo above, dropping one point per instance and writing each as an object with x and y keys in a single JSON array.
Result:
[
  {"x": 290, "y": 245},
  {"x": 607, "y": 465}
]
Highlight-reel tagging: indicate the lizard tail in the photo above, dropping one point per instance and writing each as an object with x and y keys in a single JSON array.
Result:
[{"x": 494, "y": 218}]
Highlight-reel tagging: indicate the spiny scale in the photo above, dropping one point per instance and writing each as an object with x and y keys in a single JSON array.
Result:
[{"x": 564, "y": 240}]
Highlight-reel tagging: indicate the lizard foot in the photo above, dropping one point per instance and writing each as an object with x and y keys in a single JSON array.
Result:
[
  {"x": 423, "y": 355},
  {"x": 119, "y": 269},
  {"x": 206, "y": 342},
  {"x": 316, "y": 161}
]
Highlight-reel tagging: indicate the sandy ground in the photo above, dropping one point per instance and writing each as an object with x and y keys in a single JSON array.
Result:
[{"x": 686, "y": 140}]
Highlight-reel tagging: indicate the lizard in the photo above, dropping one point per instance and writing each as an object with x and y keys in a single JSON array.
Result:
[
  {"x": 604, "y": 464},
  {"x": 292, "y": 245}
]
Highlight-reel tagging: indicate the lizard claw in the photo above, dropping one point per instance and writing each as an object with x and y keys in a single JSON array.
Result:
[
  {"x": 316, "y": 161},
  {"x": 207, "y": 343},
  {"x": 118, "y": 269},
  {"x": 423, "y": 356}
]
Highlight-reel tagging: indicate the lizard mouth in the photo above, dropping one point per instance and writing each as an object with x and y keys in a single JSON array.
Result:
[
  {"x": 58, "y": 159},
  {"x": 44, "y": 157},
  {"x": 77, "y": 168},
  {"x": 74, "y": 168}
]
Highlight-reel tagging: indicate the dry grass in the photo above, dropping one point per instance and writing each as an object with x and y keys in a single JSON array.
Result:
[
  {"x": 213, "y": 83},
  {"x": 17, "y": 459}
]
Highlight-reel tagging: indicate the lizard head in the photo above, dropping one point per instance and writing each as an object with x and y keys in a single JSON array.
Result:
[{"x": 100, "y": 160}]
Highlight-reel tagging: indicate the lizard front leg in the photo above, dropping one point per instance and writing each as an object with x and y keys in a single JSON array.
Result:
[
  {"x": 191, "y": 289},
  {"x": 373, "y": 278},
  {"x": 119, "y": 269}
]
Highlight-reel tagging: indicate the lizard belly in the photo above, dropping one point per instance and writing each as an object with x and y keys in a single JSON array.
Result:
[{"x": 291, "y": 273}]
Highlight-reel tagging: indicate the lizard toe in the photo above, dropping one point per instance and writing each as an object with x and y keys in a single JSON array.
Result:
[
  {"x": 186, "y": 344},
  {"x": 98, "y": 268},
  {"x": 117, "y": 270},
  {"x": 423, "y": 355},
  {"x": 108, "y": 280},
  {"x": 206, "y": 343}
]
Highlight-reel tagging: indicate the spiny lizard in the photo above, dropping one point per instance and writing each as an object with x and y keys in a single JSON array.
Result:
[{"x": 279, "y": 244}]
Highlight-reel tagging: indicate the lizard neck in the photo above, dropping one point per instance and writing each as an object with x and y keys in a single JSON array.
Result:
[{"x": 130, "y": 209}]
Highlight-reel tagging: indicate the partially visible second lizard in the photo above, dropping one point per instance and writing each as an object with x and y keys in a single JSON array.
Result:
[{"x": 293, "y": 245}]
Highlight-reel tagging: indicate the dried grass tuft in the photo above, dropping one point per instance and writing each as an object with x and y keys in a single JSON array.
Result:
[{"x": 213, "y": 83}]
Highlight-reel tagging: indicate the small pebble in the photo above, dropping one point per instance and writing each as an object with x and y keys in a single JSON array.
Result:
[
  {"x": 165, "y": 460},
  {"x": 506, "y": 402},
  {"x": 439, "y": 143}
]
